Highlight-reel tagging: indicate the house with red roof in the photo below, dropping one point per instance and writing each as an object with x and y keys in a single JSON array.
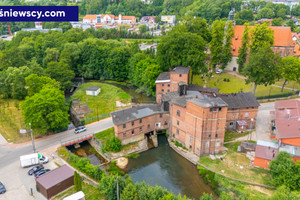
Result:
[
  {"x": 283, "y": 43},
  {"x": 285, "y": 131}
]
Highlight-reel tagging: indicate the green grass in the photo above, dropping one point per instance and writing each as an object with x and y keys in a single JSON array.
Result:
[
  {"x": 133, "y": 155},
  {"x": 105, "y": 102},
  {"x": 105, "y": 135},
  {"x": 11, "y": 121},
  {"x": 89, "y": 191},
  {"x": 291, "y": 84},
  {"x": 229, "y": 135},
  {"x": 236, "y": 84}
]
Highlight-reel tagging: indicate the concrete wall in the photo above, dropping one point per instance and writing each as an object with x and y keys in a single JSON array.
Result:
[{"x": 233, "y": 64}]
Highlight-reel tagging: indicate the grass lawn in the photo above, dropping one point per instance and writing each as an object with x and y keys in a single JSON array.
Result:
[
  {"x": 11, "y": 121},
  {"x": 291, "y": 84},
  {"x": 105, "y": 101},
  {"x": 231, "y": 166},
  {"x": 89, "y": 191},
  {"x": 236, "y": 84},
  {"x": 229, "y": 135}
]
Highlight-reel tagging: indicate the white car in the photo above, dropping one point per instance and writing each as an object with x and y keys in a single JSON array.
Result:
[
  {"x": 219, "y": 71},
  {"x": 80, "y": 129},
  {"x": 44, "y": 159}
]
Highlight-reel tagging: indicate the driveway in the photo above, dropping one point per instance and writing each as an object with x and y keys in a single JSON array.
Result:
[{"x": 263, "y": 121}]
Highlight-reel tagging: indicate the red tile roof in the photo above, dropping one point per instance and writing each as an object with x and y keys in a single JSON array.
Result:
[
  {"x": 268, "y": 153},
  {"x": 287, "y": 119},
  {"x": 90, "y": 17},
  {"x": 282, "y": 37}
]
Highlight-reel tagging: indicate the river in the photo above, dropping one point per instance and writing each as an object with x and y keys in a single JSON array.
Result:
[{"x": 164, "y": 167}]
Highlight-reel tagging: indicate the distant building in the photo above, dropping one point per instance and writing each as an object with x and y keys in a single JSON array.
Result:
[
  {"x": 93, "y": 91},
  {"x": 148, "y": 20},
  {"x": 144, "y": 47},
  {"x": 283, "y": 43},
  {"x": 170, "y": 19},
  {"x": 289, "y": 3},
  {"x": 91, "y": 19}
]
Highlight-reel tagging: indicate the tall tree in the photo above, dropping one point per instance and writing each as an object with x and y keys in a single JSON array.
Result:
[
  {"x": 261, "y": 36},
  {"x": 46, "y": 110},
  {"x": 244, "y": 49},
  {"x": 216, "y": 43},
  {"x": 35, "y": 83},
  {"x": 263, "y": 67},
  {"x": 227, "y": 48},
  {"x": 290, "y": 70}
]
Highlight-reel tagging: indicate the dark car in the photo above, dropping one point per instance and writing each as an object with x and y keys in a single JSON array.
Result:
[
  {"x": 35, "y": 169},
  {"x": 80, "y": 129},
  {"x": 2, "y": 188},
  {"x": 41, "y": 172}
]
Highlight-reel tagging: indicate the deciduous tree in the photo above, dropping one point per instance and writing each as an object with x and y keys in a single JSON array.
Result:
[{"x": 243, "y": 50}]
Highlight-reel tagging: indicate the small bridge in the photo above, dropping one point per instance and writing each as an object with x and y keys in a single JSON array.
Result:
[{"x": 77, "y": 140}]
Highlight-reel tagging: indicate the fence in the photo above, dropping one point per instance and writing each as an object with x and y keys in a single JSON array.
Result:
[
  {"x": 78, "y": 139},
  {"x": 92, "y": 119},
  {"x": 287, "y": 94}
]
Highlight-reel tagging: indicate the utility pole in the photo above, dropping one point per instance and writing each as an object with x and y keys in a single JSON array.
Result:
[{"x": 33, "y": 146}]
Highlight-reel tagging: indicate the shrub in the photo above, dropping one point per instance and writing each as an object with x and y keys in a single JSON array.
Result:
[
  {"x": 178, "y": 144},
  {"x": 113, "y": 169},
  {"x": 114, "y": 144},
  {"x": 77, "y": 182}
]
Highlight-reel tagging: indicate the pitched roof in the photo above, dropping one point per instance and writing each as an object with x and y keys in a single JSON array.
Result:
[
  {"x": 163, "y": 76},
  {"x": 202, "y": 89},
  {"x": 90, "y": 17},
  {"x": 208, "y": 102},
  {"x": 55, "y": 176},
  {"x": 128, "y": 17},
  {"x": 180, "y": 70},
  {"x": 93, "y": 88},
  {"x": 287, "y": 119},
  {"x": 268, "y": 153},
  {"x": 136, "y": 112},
  {"x": 239, "y": 100},
  {"x": 111, "y": 16},
  {"x": 282, "y": 37}
]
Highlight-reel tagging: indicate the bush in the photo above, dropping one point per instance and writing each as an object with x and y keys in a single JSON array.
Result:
[
  {"x": 114, "y": 144},
  {"x": 178, "y": 144},
  {"x": 113, "y": 169}
]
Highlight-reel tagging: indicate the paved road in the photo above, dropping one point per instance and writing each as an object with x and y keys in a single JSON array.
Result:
[
  {"x": 17, "y": 182},
  {"x": 263, "y": 121}
]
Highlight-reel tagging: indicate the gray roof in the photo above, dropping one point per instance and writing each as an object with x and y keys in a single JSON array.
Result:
[
  {"x": 93, "y": 88},
  {"x": 55, "y": 176},
  {"x": 163, "y": 76},
  {"x": 181, "y": 101},
  {"x": 240, "y": 100},
  {"x": 180, "y": 70},
  {"x": 134, "y": 113},
  {"x": 169, "y": 96},
  {"x": 203, "y": 89},
  {"x": 208, "y": 102}
]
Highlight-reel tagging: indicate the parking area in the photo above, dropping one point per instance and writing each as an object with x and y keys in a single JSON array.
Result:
[{"x": 19, "y": 184}]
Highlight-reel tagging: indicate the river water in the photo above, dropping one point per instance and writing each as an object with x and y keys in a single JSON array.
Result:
[{"x": 164, "y": 167}]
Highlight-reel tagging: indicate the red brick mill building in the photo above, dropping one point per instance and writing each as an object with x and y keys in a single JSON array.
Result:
[{"x": 193, "y": 115}]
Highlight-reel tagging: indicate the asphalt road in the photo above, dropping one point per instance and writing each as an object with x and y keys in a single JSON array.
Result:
[{"x": 9, "y": 154}]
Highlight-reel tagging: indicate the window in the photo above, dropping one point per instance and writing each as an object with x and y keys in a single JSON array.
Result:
[
  {"x": 177, "y": 123},
  {"x": 178, "y": 113},
  {"x": 124, "y": 125},
  {"x": 162, "y": 90},
  {"x": 216, "y": 135},
  {"x": 231, "y": 124},
  {"x": 168, "y": 85},
  {"x": 132, "y": 132},
  {"x": 124, "y": 135},
  {"x": 140, "y": 121},
  {"x": 166, "y": 123},
  {"x": 173, "y": 135},
  {"x": 157, "y": 124},
  {"x": 177, "y": 131},
  {"x": 132, "y": 123},
  {"x": 162, "y": 84},
  {"x": 209, "y": 135},
  {"x": 217, "y": 143},
  {"x": 160, "y": 115},
  {"x": 180, "y": 75},
  {"x": 168, "y": 90},
  {"x": 233, "y": 116},
  {"x": 207, "y": 144},
  {"x": 190, "y": 146},
  {"x": 220, "y": 109},
  {"x": 246, "y": 114},
  {"x": 191, "y": 138},
  {"x": 210, "y": 110},
  {"x": 148, "y": 126},
  {"x": 141, "y": 129}
]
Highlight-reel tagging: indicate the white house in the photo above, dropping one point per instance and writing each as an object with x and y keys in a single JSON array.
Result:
[
  {"x": 170, "y": 19},
  {"x": 91, "y": 19},
  {"x": 93, "y": 91}
]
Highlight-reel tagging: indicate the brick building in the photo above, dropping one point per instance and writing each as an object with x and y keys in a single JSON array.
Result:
[
  {"x": 242, "y": 111},
  {"x": 132, "y": 124}
]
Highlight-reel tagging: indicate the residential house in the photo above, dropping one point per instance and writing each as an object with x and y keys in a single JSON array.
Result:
[
  {"x": 91, "y": 19},
  {"x": 148, "y": 20},
  {"x": 112, "y": 19},
  {"x": 296, "y": 39},
  {"x": 264, "y": 153},
  {"x": 283, "y": 43},
  {"x": 170, "y": 19}
]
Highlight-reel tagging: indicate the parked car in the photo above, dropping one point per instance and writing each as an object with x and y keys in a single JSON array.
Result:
[
  {"x": 43, "y": 159},
  {"x": 35, "y": 169},
  {"x": 219, "y": 71},
  {"x": 41, "y": 172},
  {"x": 4, "y": 36},
  {"x": 80, "y": 129},
  {"x": 2, "y": 188}
]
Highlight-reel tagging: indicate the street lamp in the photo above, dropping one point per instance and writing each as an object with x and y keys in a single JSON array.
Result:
[{"x": 33, "y": 146}]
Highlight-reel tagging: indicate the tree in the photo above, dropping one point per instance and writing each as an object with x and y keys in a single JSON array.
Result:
[
  {"x": 262, "y": 67},
  {"x": 143, "y": 29},
  {"x": 77, "y": 182},
  {"x": 227, "y": 48},
  {"x": 244, "y": 16},
  {"x": 216, "y": 43},
  {"x": 284, "y": 193},
  {"x": 290, "y": 70},
  {"x": 113, "y": 144},
  {"x": 35, "y": 83},
  {"x": 207, "y": 197},
  {"x": 265, "y": 13},
  {"x": 244, "y": 49},
  {"x": 261, "y": 36},
  {"x": 46, "y": 110},
  {"x": 129, "y": 193},
  {"x": 277, "y": 21},
  {"x": 291, "y": 24},
  {"x": 60, "y": 72},
  {"x": 198, "y": 25},
  {"x": 52, "y": 54},
  {"x": 108, "y": 186},
  {"x": 284, "y": 171},
  {"x": 181, "y": 47}
]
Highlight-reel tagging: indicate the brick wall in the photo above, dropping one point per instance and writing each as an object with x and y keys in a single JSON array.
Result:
[
  {"x": 163, "y": 88},
  {"x": 174, "y": 77},
  {"x": 245, "y": 114},
  {"x": 146, "y": 125}
]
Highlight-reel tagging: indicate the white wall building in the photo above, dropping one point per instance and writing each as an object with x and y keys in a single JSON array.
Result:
[
  {"x": 93, "y": 91},
  {"x": 170, "y": 19}
]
